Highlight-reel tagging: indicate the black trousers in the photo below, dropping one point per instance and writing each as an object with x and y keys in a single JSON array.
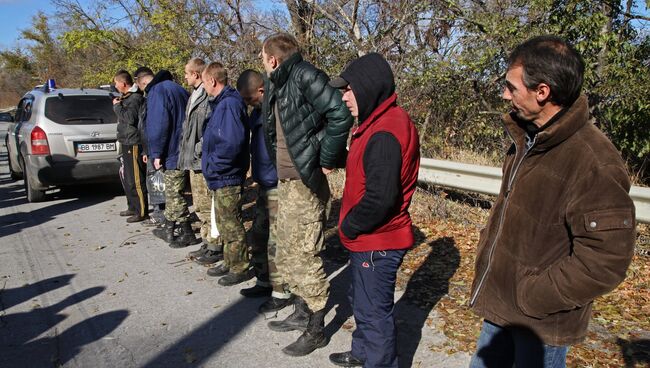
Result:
[
  {"x": 372, "y": 292},
  {"x": 135, "y": 180}
]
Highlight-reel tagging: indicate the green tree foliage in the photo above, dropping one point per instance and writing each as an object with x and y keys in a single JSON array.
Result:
[{"x": 448, "y": 55}]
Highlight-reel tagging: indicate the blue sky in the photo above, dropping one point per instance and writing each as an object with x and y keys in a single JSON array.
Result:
[{"x": 16, "y": 15}]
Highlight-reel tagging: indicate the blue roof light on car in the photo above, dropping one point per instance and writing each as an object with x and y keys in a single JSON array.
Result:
[{"x": 51, "y": 84}]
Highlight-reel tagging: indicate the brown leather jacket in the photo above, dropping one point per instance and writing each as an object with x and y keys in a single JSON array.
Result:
[{"x": 560, "y": 233}]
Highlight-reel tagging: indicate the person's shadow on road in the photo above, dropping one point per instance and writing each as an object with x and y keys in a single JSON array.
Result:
[
  {"x": 19, "y": 331},
  {"x": 424, "y": 290}
]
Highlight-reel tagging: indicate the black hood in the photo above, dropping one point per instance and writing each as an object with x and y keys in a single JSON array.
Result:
[
  {"x": 371, "y": 79},
  {"x": 162, "y": 75}
]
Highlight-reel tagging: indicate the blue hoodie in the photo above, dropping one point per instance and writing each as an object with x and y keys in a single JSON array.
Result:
[
  {"x": 264, "y": 172},
  {"x": 166, "y": 101},
  {"x": 225, "y": 158}
]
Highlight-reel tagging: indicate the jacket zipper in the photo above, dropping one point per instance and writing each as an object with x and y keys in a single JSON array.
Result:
[{"x": 505, "y": 207}]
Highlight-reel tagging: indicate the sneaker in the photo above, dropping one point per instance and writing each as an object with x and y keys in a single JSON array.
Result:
[
  {"x": 345, "y": 359},
  {"x": 256, "y": 291},
  {"x": 127, "y": 213},
  {"x": 275, "y": 304},
  {"x": 136, "y": 218},
  {"x": 153, "y": 222}
]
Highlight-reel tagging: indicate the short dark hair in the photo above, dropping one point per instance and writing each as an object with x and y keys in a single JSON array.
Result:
[
  {"x": 124, "y": 76},
  {"x": 142, "y": 71},
  {"x": 249, "y": 80},
  {"x": 281, "y": 45},
  {"x": 550, "y": 60}
]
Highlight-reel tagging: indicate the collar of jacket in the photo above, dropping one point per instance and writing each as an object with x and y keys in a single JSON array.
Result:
[
  {"x": 379, "y": 111},
  {"x": 161, "y": 76},
  {"x": 224, "y": 92},
  {"x": 572, "y": 119},
  {"x": 280, "y": 75}
]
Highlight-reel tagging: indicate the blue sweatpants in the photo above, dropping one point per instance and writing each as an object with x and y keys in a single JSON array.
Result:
[{"x": 372, "y": 292}]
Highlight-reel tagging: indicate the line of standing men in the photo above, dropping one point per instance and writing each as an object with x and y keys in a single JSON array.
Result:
[{"x": 560, "y": 233}]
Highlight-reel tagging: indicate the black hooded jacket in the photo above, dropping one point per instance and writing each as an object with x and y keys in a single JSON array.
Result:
[{"x": 372, "y": 83}]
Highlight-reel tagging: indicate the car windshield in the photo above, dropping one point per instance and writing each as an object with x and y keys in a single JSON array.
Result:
[{"x": 80, "y": 110}]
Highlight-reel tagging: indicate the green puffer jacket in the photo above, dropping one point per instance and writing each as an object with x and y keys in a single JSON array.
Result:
[{"x": 315, "y": 121}]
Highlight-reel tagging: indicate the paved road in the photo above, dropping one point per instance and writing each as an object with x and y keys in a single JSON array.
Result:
[{"x": 81, "y": 288}]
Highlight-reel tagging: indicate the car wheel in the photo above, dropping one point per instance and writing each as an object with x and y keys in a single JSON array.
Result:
[{"x": 33, "y": 195}]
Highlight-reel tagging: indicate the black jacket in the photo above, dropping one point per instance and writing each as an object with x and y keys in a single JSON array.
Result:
[
  {"x": 315, "y": 121},
  {"x": 128, "y": 117}
]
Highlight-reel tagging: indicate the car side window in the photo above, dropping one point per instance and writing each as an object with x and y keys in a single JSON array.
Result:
[
  {"x": 19, "y": 110},
  {"x": 24, "y": 109},
  {"x": 27, "y": 110}
]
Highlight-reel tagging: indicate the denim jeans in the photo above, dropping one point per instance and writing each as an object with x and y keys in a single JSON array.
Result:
[{"x": 515, "y": 347}]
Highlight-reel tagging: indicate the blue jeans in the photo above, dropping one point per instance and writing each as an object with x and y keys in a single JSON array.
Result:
[
  {"x": 372, "y": 294},
  {"x": 515, "y": 347}
]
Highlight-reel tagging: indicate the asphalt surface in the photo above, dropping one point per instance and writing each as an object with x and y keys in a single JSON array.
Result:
[{"x": 79, "y": 287}]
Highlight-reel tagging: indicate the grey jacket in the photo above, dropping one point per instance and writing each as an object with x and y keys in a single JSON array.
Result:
[{"x": 197, "y": 114}]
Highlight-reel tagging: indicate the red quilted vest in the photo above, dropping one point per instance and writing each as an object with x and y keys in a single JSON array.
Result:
[{"x": 397, "y": 232}]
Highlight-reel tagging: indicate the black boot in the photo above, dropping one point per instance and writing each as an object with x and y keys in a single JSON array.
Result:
[
  {"x": 313, "y": 337},
  {"x": 186, "y": 238},
  {"x": 274, "y": 304},
  {"x": 166, "y": 232},
  {"x": 298, "y": 320}
]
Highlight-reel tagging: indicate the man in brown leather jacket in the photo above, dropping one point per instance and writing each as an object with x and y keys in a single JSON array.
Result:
[{"x": 562, "y": 230}]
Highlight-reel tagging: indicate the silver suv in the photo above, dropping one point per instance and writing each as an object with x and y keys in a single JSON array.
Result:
[{"x": 63, "y": 137}]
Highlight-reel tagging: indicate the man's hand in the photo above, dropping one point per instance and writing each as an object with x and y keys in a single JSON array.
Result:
[
  {"x": 145, "y": 158},
  {"x": 326, "y": 171},
  {"x": 156, "y": 164},
  {"x": 116, "y": 101}
]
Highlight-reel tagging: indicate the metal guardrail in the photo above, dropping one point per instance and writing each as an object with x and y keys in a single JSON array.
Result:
[{"x": 487, "y": 180}]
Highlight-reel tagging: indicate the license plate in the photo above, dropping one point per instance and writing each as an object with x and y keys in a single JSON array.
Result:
[{"x": 95, "y": 147}]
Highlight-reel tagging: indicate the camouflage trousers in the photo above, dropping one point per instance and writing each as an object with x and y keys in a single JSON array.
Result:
[
  {"x": 300, "y": 225},
  {"x": 202, "y": 202},
  {"x": 263, "y": 248},
  {"x": 227, "y": 204},
  {"x": 175, "y": 204}
]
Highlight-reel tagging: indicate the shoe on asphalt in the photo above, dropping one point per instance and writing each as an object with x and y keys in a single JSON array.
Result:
[
  {"x": 186, "y": 237},
  {"x": 312, "y": 338},
  {"x": 345, "y": 359},
  {"x": 198, "y": 253},
  {"x": 153, "y": 221},
  {"x": 136, "y": 218},
  {"x": 209, "y": 257},
  {"x": 219, "y": 270},
  {"x": 166, "y": 232},
  {"x": 298, "y": 320},
  {"x": 256, "y": 291},
  {"x": 234, "y": 278},
  {"x": 127, "y": 213},
  {"x": 275, "y": 304}
]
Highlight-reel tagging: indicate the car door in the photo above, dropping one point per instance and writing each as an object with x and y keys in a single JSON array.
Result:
[{"x": 22, "y": 127}]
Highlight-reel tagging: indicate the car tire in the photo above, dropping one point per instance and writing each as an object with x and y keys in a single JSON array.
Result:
[{"x": 33, "y": 195}]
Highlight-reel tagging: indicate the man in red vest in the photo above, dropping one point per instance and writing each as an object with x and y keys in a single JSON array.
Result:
[{"x": 374, "y": 223}]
